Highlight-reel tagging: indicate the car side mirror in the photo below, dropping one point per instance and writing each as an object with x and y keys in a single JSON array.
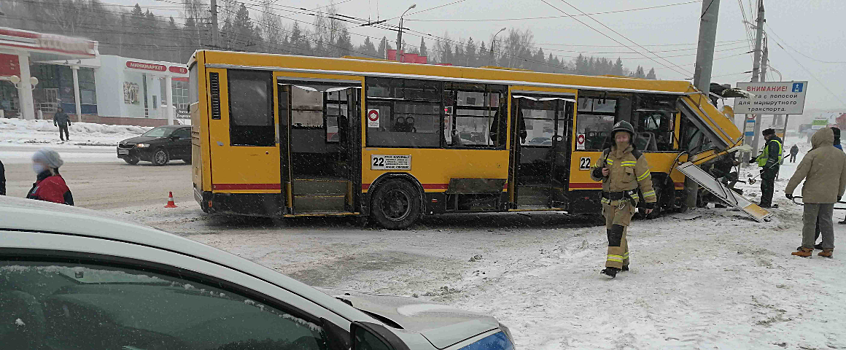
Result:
[
  {"x": 372, "y": 336},
  {"x": 174, "y": 138}
]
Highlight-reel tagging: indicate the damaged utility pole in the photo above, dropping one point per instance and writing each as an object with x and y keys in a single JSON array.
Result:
[{"x": 702, "y": 73}]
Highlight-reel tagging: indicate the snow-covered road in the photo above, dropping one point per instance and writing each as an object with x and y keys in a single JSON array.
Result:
[{"x": 711, "y": 278}]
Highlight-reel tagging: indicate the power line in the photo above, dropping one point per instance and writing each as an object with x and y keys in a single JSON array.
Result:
[
  {"x": 745, "y": 22},
  {"x": 429, "y": 9},
  {"x": 770, "y": 31},
  {"x": 719, "y": 43},
  {"x": 549, "y": 17},
  {"x": 630, "y": 53},
  {"x": 715, "y": 59},
  {"x": 609, "y": 37},
  {"x": 621, "y": 35},
  {"x": 810, "y": 73}
]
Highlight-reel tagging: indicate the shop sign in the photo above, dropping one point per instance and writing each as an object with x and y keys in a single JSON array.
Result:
[
  {"x": 9, "y": 65},
  {"x": 146, "y": 66}
]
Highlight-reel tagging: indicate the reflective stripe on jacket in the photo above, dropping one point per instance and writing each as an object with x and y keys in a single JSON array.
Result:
[{"x": 628, "y": 171}]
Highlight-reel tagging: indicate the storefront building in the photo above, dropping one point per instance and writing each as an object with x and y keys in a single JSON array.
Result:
[{"x": 40, "y": 73}]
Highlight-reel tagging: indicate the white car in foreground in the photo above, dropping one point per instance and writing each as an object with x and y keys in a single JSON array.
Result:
[{"x": 73, "y": 279}]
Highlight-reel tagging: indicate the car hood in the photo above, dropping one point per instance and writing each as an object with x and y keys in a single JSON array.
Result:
[
  {"x": 442, "y": 325},
  {"x": 139, "y": 139}
]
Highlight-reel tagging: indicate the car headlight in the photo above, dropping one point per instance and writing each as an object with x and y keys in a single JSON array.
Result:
[{"x": 142, "y": 145}]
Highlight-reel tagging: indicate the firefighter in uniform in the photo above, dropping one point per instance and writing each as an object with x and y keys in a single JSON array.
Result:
[{"x": 622, "y": 170}]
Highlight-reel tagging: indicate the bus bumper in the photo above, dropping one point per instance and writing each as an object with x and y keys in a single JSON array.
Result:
[{"x": 254, "y": 204}]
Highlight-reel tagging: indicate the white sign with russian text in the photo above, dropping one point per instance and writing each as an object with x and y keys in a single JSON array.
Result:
[{"x": 787, "y": 97}]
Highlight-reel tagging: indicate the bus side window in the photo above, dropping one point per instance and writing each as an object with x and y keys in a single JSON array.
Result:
[
  {"x": 404, "y": 113},
  {"x": 653, "y": 120},
  {"x": 595, "y": 119},
  {"x": 250, "y": 108},
  {"x": 478, "y": 108}
]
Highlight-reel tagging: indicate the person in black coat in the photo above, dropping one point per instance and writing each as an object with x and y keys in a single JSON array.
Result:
[
  {"x": 2, "y": 180},
  {"x": 793, "y": 152},
  {"x": 62, "y": 120}
]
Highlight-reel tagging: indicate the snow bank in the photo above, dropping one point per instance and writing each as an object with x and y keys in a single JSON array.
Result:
[{"x": 19, "y": 131}]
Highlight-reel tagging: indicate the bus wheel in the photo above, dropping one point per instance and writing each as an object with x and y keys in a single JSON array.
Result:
[
  {"x": 662, "y": 194},
  {"x": 396, "y": 204}
]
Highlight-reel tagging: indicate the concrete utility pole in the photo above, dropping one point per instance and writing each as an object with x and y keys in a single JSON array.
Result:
[
  {"x": 756, "y": 70},
  {"x": 214, "y": 38},
  {"x": 399, "y": 33},
  {"x": 493, "y": 42},
  {"x": 702, "y": 72},
  {"x": 707, "y": 40}
]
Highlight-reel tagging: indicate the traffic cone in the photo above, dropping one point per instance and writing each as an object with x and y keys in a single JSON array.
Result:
[{"x": 170, "y": 203}]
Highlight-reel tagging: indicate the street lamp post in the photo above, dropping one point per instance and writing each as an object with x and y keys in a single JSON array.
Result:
[
  {"x": 493, "y": 42},
  {"x": 399, "y": 33}
]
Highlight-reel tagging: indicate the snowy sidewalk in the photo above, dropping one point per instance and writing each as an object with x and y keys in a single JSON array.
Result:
[{"x": 43, "y": 133}]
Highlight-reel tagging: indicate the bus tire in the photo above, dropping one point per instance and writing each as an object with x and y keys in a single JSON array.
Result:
[
  {"x": 396, "y": 205},
  {"x": 662, "y": 194}
]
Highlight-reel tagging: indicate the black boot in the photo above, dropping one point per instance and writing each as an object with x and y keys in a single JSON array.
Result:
[
  {"x": 625, "y": 268},
  {"x": 610, "y": 272},
  {"x": 818, "y": 246}
]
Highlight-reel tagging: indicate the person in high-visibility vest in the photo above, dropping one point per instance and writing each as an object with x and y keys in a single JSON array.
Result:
[{"x": 769, "y": 160}]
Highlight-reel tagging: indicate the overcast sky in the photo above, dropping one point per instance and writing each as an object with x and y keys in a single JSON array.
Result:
[{"x": 810, "y": 26}]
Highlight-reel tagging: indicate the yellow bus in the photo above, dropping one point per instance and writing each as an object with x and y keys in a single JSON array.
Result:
[{"x": 287, "y": 136}]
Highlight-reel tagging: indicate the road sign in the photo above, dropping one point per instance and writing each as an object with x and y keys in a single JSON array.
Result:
[
  {"x": 580, "y": 141},
  {"x": 750, "y": 128},
  {"x": 819, "y": 124},
  {"x": 372, "y": 118},
  {"x": 772, "y": 98}
]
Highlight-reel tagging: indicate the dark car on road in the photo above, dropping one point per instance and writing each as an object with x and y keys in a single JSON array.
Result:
[{"x": 159, "y": 146}]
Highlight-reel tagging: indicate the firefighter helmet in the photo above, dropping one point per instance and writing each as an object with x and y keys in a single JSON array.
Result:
[{"x": 623, "y": 126}]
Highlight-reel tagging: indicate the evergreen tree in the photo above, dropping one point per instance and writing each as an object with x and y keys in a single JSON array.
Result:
[
  {"x": 538, "y": 62},
  {"x": 639, "y": 73},
  {"x": 344, "y": 44},
  {"x": 383, "y": 48},
  {"x": 618, "y": 68},
  {"x": 581, "y": 65},
  {"x": 470, "y": 54},
  {"x": 368, "y": 49},
  {"x": 651, "y": 74},
  {"x": 294, "y": 40},
  {"x": 483, "y": 58},
  {"x": 423, "y": 50},
  {"x": 459, "y": 58}
]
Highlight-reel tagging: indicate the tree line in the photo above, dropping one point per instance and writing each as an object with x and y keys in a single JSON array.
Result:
[{"x": 132, "y": 31}]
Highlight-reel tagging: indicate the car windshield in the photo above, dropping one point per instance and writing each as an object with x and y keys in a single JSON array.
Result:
[{"x": 158, "y": 132}]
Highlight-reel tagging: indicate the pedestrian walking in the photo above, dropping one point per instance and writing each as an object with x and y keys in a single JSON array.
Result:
[
  {"x": 62, "y": 120},
  {"x": 769, "y": 160},
  {"x": 2, "y": 179},
  {"x": 49, "y": 185},
  {"x": 824, "y": 172},
  {"x": 793, "y": 152},
  {"x": 622, "y": 170}
]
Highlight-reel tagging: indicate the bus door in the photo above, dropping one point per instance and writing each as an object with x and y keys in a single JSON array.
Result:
[
  {"x": 541, "y": 149},
  {"x": 320, "y": 166},
  {"x": 243, "y": 152}
]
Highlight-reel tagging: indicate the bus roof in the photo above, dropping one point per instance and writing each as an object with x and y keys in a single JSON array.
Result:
[{"x": 383, "y": 68}]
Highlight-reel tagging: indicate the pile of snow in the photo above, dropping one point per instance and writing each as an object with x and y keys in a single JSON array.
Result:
[{"x": 19, "y": 131}]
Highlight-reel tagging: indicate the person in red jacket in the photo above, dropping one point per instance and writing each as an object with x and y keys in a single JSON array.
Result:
[{"x": 49, "y": 185}]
